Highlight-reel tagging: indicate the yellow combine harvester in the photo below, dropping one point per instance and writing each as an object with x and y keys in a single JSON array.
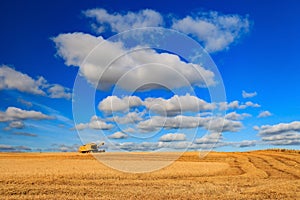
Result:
[{"x": 91, "y": 148}]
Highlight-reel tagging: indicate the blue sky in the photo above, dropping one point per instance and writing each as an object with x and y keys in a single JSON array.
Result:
[{"x": 254, "y": 46}]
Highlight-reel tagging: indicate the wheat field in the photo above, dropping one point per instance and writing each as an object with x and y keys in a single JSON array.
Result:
[{"x": 242, "y": 175}]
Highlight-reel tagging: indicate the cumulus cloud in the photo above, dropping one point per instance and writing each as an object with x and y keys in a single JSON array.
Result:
[
  {"x": 173, "y": 106},
  {"x": 214, "y": 124},
  {"x": 4, "y": 147},
  {"x": 248, "y": 94},
  {"x": 12, "y": 79},
  {"x": 280, "y": 128},
  {"x": 179, "y": 121},
  {"x": 170, "y": 137},
  {"x": 237, "y": 105},
  {"x": 121, "y": 22},
  {"x": 132, "y": 146},
  {"x": 236, "y": 116},
  {"x": 214, "y": 140},
  {"x": 25, "y": 134},
  {"x": 207, "y": 142},
  {"x": 256, "y": 128},
  {"x": 211, "y": 138},
  {"x": 118, "y": 135},
  {"x": 80, "y": 126},
  {"x": 15, "y": 124},
  {"x": 178, "y": 104},
  {"x": 142, "y": 67},
  {"x": 15, "y": 80},
  {"x": 287, "y": 138},
  {"x": 281, "y": 134},
  {"x": 129, "y": 130},
  {"x": 115, "y": 104},
  {"x": 63, "y": 148},
  {"x": 74, "y": 47},
  {"x": 57, "y": 91},
  {"x": 95, "y": 123},
  {"x": 24, "y": 102},
  {"x": 214, "y": 30},
  {"x": 244, "y": 143},
  {"x": 129, "y": 118},
  {"x": 154, "y": 146},
  {"x": 13, "y": 113},
  {"x": 217, "y": 124},
  {"x": 264, "y": 114},
  {"x": 249, "y": 104}
]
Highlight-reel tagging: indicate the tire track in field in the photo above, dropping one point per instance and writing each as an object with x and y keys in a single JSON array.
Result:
[
  {"x": 262, "y": 164},
  {"x": 276, "y": 166},
  {"x": 250, "y": 168},
  {"x": 281, "y": 166},
  {"x": 234, "y": 168},
  {"x": 287, "y": 161},
  {"x": 285, "y": 157},
  {"x": 257, "y": 163},
  {"x": 237, "y": 165}
]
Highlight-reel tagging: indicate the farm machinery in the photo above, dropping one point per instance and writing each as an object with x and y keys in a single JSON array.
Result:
[{"x": 91, "y": 148}]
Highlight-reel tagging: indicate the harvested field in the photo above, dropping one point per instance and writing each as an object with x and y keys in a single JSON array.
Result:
[{"x": 244, "y": 175}]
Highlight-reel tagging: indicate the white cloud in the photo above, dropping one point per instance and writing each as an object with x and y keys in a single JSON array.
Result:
[
  {"x": 129, "y": 118},
  {"x": 15, "y": 124},
  {"x": 237, "y": 105},
  {"x": 131, "y": 146},
  {"x": 227, "y": 106},
  {"x": 4, "y": 147},
  {"x": 122, "y": 22},
  {"x": 115, "y": 104},
  {"x": 63, "y": 148},
  {"x": 280, "y": 128},
  {"x": 249, "y": 104},
  {"x": 264, "y": 114},
  {"x": 286, "y": 138},
  {"x": 244, "y": 143},
  {"x": 13, "y": 113},
  {"x": 177, "y": 104},
  {"x": 214, "y": 30},
  {"x": 281, "y": 134},
  {"x": 170, "y": 137},
  {"x": 129, "y": 130},
  {"x": 15, "y": 80},
  {"x": 143, "y": 67},
  {"x": 179, "y": 121},
  {"x": 57, "y": 91},
  {"x": 118, "y": 135},
  {"x": 223, "y": 125},
  {"x": 207, "y": 142},
  {"x": 154, "y": 146},
  {"x": 211, "y": 138},
  {"x": 256, "y": 128},
  {"x": 236, "y": 116},
  {"x": 214, "y": 124},
  {"x": 12, "y": 79},
  {"x": 175, "y": 145},
  {"x": 25, "y": 134},
  {"x": 248, "y": 95},
  {"x": 74, "y": 47},
  {"x": 173, "y": 106},
  {"x": 95, "y": 123},
  {"x": 24, "y": 102},
  {"x": 81, "y": 126}
]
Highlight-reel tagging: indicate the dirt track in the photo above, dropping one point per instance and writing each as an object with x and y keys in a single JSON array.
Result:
[{"x": 250, "y": 175}]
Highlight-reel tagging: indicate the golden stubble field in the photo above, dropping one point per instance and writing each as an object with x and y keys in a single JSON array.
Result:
[{"x": 247, "y": 175}]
